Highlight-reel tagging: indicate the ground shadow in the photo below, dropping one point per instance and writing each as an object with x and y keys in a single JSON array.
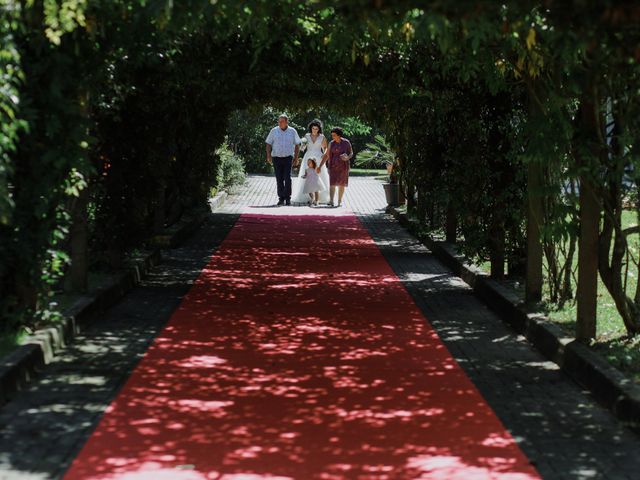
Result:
[
  {"x": 298, "y": 354},
  {"x": 558, "y": 425},
  {"x": 44, "y": 427}
]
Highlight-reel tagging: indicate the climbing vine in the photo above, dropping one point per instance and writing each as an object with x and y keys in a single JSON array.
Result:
[{"x": 112, "y": 113}]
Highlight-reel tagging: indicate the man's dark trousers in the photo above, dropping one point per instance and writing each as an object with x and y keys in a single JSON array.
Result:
[{"x": 282, "y": 166}]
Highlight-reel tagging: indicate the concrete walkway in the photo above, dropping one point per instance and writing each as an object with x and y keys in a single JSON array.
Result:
[{"x": 558, "y": 426}]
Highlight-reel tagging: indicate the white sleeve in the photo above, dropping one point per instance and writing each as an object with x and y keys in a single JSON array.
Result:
[
  {"x": 270, "y": 138},
  {"x": 297, "y": 137}
]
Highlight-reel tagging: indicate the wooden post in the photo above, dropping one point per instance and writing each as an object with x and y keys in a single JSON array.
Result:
[
  {"x": 451, "y": 227},
  {"x": 411, "y": 191},
  {"x": 590, "y": 209},
  {"x": 159, "y": 209},
  {"x": 535, "y": 212},
  {"x": 497, "y": 255},
  {"x": 421, "y": 206},
  {"x": 401, "y": 186},
  {"x": 79, "y": 239},
  {"x": 587, "y": 294}
]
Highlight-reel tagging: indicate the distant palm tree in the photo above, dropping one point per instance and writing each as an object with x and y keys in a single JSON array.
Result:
[{"x": 377, "y": 153}]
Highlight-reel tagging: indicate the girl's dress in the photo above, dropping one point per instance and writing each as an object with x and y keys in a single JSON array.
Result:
[
  {"x": 314, "y": 150},
  {"x": 313, "y": 182}
]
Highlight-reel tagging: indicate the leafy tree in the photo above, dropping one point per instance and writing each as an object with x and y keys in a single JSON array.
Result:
[{"x": 539, "y": 100}]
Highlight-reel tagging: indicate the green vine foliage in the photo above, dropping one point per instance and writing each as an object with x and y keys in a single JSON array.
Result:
[
  {"x": 117, "y": 108},
  {"x": 11, "y": 125}
]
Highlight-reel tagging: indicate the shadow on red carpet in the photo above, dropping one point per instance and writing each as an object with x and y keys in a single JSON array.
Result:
[{"x": 299, "y": 354}]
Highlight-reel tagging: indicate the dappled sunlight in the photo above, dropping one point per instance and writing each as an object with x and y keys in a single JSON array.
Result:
[
  {"x": 156, "y": 471},
  {"x": 297, "y": 211},
  {"x": 445, "y": 467},
  {"x": 313, "y": 364}
]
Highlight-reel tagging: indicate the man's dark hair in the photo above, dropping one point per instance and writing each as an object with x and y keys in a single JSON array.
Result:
[{"x": 338, "y": 131}]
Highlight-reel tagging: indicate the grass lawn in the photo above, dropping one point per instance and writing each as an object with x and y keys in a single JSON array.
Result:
[
  {"x": 368, "y": 172},
  {"x": 612, "y": 341}
]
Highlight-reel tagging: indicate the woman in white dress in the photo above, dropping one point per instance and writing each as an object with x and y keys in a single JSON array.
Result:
[{"x": 315, "y": 146}]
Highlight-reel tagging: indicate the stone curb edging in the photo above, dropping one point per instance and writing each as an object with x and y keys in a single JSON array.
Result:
[
  {"x": 217, "y": 201},
  {"x": 173, "y": 239},
  {"x": 606, "y": 383},
  {"x": 20, "y": 366}
]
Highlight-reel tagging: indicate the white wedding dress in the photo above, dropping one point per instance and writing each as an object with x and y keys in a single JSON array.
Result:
[{"x": 314, "y": 150}]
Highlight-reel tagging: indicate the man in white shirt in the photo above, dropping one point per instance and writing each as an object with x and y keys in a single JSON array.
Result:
[{"x": 283, "y": 147}]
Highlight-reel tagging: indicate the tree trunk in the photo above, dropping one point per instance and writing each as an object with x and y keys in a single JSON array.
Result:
[
  {"x": 411, "y": 199},
  {"x": 587, "y": 294},
  {"x": 497, "y": 250},
  {"x": 431, "y": 213},
  {"x": 590, "y": 209},
  {"x": 27, "y": 293},
  {"x": 451, "y": 227},
  {"x": 612, "y": 261},
  {"x": 517, "y": 261},
  {"x": 535, "y": 215},
  {"x": 637, "y": 209},
  {"x": 611, "y": 267},
  {"x": 553, "y": 276},
  {"x": 401, "y": 186},
  {"x": 159, "y": 209},
  {"x": 421, "y": 207},
  {"x": 535, "y": 212},
  {"x": 79, "y": 241},
  {"x": 567, "y": 290}
]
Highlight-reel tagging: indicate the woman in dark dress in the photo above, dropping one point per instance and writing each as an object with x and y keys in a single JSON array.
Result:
[{"x": 337, "y": 159}]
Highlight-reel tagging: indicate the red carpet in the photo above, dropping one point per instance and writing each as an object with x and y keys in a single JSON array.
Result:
[{"x": 299, "y": 354}]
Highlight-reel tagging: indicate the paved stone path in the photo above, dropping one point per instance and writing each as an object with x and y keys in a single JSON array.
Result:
[{"x": 561, "y": 429}]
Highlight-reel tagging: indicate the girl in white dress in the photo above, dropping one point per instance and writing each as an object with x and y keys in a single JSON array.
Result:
[
  {"x": 313, "y": 184},
  {"x": 315, "y": 146}
]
